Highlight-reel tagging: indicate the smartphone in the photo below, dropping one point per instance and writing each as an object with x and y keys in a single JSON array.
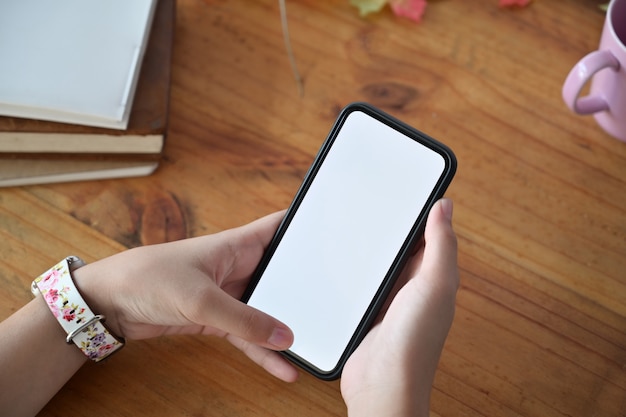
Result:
[{"x": 353, "y": 223}]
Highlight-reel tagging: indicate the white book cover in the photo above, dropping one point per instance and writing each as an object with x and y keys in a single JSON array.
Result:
[{"x": 73, "y": 61}]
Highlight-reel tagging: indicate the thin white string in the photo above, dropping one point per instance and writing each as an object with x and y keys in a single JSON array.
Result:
[{"x": 287, "y": 39}]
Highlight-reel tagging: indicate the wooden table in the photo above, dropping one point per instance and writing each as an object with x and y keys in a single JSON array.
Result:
[{"x": 540, "y": 201}]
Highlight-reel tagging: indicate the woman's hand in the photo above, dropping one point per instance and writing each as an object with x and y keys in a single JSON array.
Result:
[
  {"x": 191, "y": 286},
  {"x": 392, "y": 371}
]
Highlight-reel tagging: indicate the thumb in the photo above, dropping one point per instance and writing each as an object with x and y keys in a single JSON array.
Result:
[
  {"x": 239, "y": 319},
  {"x": 439, "y": 261}
]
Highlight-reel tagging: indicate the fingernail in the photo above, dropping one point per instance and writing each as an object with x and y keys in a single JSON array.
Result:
[
  {"x": 281, "y": 338},
  {"x": 446, "y": 208}
]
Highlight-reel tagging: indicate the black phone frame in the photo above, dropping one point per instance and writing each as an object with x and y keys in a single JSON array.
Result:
[{"x": 414, "y": 235}]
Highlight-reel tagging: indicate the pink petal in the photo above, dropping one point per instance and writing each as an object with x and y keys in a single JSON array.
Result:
[
  {"x": 513, "y": 3},
  {"x": 411, "y": 9}
]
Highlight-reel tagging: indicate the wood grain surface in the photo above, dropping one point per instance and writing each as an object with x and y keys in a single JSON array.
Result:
[{"x": 540, "y": 201}]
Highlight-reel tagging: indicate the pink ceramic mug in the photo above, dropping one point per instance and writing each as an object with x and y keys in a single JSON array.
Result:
[{"x": 607, "y": 66}]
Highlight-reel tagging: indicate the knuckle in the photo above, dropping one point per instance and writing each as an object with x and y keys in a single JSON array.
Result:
[{"x": 250, "y": 324}]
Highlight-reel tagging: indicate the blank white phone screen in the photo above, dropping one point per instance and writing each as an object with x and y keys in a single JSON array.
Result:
[{"x": 344, "y": 237}]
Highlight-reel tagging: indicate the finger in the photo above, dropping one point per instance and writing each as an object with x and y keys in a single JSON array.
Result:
[
  {"x": 425, "y": 305},
  {"x": 269, "y": 360},
  {"x": 241, "y": 250},
  {"x": 221, "y": 311},
  {"x": 261, "y": 229},
  {"x": 439, "y": 260},
  {"x": 440, "y": 234}
]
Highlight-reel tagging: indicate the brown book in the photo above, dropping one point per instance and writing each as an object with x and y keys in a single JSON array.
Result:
[
  {"x": 18, "y": 172},
  {"x": 146, "y": 131}
]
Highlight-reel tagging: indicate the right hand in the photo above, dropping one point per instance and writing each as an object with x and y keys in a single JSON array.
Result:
[{"x": 392, "y": 371}]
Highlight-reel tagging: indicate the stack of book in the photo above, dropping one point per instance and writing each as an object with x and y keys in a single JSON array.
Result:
[{"x": 84, "y": 88}]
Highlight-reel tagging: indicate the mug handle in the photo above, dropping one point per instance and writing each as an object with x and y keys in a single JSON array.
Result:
[{"x": 580, "y": 75}]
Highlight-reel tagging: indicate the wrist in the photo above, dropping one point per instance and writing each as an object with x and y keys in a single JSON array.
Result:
[
  {"x": 84, "y": 327},
  {"x": 94, "y": 287},
  {"x": 389, "y": 404}
]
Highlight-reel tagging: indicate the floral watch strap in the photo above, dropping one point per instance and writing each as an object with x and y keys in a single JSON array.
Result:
[{"x": 82, "y": 326}]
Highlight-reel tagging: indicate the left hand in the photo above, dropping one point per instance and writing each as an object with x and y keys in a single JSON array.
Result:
[{"x": 191, "y": 286}]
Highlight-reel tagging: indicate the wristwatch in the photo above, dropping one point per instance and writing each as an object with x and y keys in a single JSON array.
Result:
[{"x": 84, "y": 328}]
